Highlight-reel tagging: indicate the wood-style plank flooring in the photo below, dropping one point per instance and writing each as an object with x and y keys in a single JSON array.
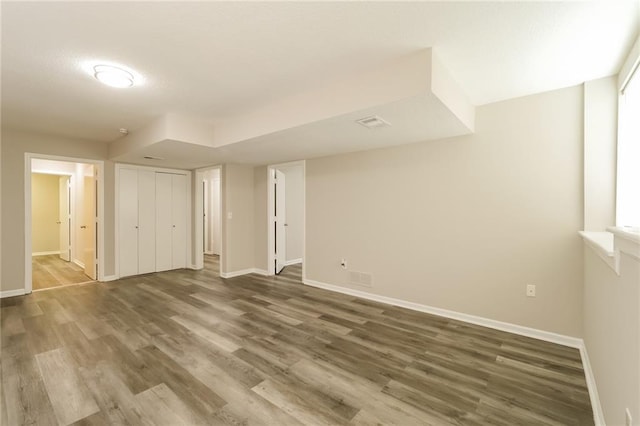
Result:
[
  {"x": 50, "y": 271},
  {"x": 189, "y": 348}
]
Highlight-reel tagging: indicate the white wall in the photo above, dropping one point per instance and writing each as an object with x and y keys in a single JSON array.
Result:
[
  {"x": 612, "y": 333},
  {"x": 294, "y": 195},
  {"x": 464, "y": 223}
]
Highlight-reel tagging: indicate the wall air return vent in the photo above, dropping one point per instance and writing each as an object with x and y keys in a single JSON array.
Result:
[{"x": 372, "y": 122}]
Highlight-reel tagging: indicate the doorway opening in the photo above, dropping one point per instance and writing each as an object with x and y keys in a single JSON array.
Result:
[
  {"x": 286, "y": 204},
  {"x": 208, "y": 207},
  {"x": 63, "y": 227}
]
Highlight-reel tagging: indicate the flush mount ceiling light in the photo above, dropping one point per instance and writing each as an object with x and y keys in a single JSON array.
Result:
[{"x": 113, "y": 76}]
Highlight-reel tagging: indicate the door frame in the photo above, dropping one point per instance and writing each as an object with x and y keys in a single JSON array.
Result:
[
  {"x": 99, "y": 164},
  {"x": 271, "y": 216},
  {"x": 198, "y": 227}
]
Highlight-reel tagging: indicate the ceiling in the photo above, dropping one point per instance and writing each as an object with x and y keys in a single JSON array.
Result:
[{"x": 217, "y": 61}]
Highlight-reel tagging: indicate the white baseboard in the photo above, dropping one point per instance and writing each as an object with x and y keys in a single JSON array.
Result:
[
  {"x": 107, "y": 278},
  {"x": 243, "y": 272},
  {"x": 12, "y": 293},
  {"x": 79, "y": 263},
  {"x": 292, "y": 262},
  {"x": 598, "y": 415},
  {"x": 45, "y": 253},
  {"x": 573, "y": 342}
]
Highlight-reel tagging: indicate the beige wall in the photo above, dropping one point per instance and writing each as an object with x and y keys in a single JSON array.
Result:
[
  {"x": 237, "y": 235},
  {"x": 260, "y": 181},
  {"x": 14, "y": 147},
  {"x": 294, "y": 194},
  {"x": 463, "y": 223},
  {"x": 45, "y": 212},
  {"x": 600, "y": 138},
  {"x": 612, "y": 333}
]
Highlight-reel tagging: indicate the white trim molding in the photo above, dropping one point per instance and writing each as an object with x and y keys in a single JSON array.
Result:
[
  {"x": 12, "y": 293},
  {"x": 45, "y": 253},
  {"x": 560, "y": 339},
  {"x": 598, "y": 415},
  {"x": 293, "y": 262},
  {"x": 610, "y": 243},
  {"x": 244, "y": 272},
  {"x": 108, "y": 278},
  {"x": 548, "y": 336}
]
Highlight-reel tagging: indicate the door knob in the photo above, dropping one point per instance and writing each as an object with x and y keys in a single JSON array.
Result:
[
  {"x": 58, "y": 222},
  {"x": 83, "y": 227}
]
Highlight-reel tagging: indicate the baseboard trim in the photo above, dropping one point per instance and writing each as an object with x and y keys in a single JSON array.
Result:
[
  {"x": 560, "y": 339},
  {"x": 45, "y": 253},
  {"x": 244, "y": 272},
  {"x": 573, "y": 342},
  {"x": 12, "y": 293},
  {"x": 598, "y": 415},
  {"x": 79, "y": 263},
  {"x": 292, "y": 262},
  {"x": 107, "y": 278}
]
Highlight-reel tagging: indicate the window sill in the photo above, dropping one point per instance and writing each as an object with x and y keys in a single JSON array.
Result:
[{"x": 610, "y": 243}]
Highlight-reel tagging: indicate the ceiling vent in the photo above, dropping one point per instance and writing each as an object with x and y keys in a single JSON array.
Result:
[{"x": 372, "y": 122}]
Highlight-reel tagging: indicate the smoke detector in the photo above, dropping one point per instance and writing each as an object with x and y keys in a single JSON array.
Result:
[{"x": 372, "y": 122}]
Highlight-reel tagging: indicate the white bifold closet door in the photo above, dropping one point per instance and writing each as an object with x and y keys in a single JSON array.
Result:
[
  {"x": 146, "y": 222},
  {"x": 164, "y": 224},
  {"x": 171, "y": 218},
  {"x": 128, "y": 222},
  {"x": 179, "y": 218}
]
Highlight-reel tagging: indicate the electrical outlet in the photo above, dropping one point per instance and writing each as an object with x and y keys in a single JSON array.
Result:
[
  {"x": 628, "y": 421},
  {"x": 343, "y": 263},
  {"x": 531, "y": 290}
]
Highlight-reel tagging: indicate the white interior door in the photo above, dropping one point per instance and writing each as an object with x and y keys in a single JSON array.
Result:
[
  {"x": 179, "y": 221},
  {"x": 280, "y": 222},
  {"x": 89, "y": 223},
  {"x": 146, "y": 206},
  {"x": 164, "y": 224},
  {"x": 64, "y": 218},
  {"x": 128, "y": 222},
  {"x": 206, "y": 217},
  {"x": 214, "y": 215}
]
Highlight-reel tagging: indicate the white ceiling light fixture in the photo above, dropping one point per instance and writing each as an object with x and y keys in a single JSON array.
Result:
[{"x": 113, "y": 76}]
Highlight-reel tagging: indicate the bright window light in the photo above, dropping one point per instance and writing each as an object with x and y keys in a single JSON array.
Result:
[{"x": 628, "y": 173}]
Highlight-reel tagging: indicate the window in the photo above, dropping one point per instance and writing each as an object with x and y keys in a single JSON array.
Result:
[{"x": 628, "y": 172}]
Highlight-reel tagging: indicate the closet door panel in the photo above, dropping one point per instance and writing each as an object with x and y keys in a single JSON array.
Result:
[
  {"x": 146, "y": 222},
  {"x": 128, "y": 222},
  {"x": 179, "y": 219},
  {"x": 164, "y": 225}
]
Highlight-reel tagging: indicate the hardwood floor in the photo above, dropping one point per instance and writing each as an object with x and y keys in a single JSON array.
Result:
[
  {"x": 51, "y": 271},
  {"x": 186, "y": 347}
]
